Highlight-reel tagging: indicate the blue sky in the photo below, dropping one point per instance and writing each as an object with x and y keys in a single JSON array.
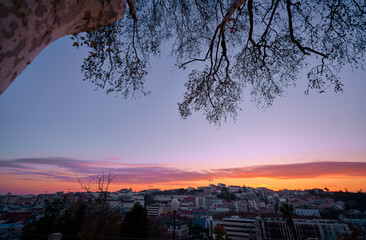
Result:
[{"x": 50, "y": 112}]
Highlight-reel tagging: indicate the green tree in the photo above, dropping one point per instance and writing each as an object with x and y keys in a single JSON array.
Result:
[{"x": 135, "y": 224}]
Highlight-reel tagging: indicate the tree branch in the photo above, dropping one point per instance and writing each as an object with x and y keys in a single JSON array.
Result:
[
  {"x": 270, "y": 21},
  {"x": 298, "y": 44},
  {"x": 132, "y": 10},
  {"x": 251, "y": 23}
]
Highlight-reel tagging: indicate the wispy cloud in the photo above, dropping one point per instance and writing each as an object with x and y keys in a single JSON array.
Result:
[
  {"x": 298, "y": 170},
  {"x": 64, "y": 169}
]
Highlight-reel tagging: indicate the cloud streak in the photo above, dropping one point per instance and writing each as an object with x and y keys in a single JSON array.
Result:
[{"x": 67, "y": 169}]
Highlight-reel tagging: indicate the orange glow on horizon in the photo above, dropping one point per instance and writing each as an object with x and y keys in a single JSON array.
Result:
[
  {"x": 23, "y": 176},
  {"x": 19, "y": 186}
]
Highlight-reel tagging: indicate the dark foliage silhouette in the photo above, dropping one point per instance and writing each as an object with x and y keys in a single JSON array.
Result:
[
  {"x": 287, "y": 213},
  {"x": 60, "y": 217},
  {"x": 135, "y": 224},
  {"x": 260, "y": 46}
]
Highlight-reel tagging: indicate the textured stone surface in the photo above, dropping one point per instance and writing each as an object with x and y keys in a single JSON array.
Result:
[{"x": 28, "y": 26}]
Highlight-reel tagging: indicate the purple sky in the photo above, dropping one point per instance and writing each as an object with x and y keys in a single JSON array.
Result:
[{"x": 50, "y": 112}]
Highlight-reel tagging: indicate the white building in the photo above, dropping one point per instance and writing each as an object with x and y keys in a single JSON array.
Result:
[
  {"x": 222, "y": 209},
  {"x": 201, "y": 202},
  {"x": 241, "y": 206},
  {"x": 239, "y": 228},
  {"x": 307, "y": 212},
  {"x": 154, "y": 210},
  {"x": 233, "y": 188},
  {"x": 181, "y": 228},
  {"x": 354, "y": 217},
  {"x": 305, "y": 229}
]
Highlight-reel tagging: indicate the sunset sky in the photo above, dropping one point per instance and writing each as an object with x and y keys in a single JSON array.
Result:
[{"x": 54, "y": 129}]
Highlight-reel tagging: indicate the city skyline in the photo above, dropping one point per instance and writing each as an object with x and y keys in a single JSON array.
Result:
[{"x": 50, "y": 113}]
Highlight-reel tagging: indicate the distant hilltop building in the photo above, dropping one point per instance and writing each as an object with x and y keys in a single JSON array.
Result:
[
  {"x": 190, "y": 189},
  {"x": 234, "y": 188}
]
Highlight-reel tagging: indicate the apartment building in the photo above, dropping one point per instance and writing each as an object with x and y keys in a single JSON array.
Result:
[{"x": 239, "y": 228}]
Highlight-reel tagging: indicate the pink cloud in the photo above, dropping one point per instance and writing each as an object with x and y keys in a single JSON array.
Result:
[
  {"x": 66, "y": 169},
  {"x": 298, "y": 170}
]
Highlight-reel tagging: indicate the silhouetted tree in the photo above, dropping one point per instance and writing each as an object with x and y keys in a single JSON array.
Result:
[
  {"x": 197, "y": 232},
  {"x": 148, "y": 199},
  {"x": 259, "y": 45},
  {"x": 228, "y": 196},
  {"x": 59, "y": 216},
  {"x": 135, "y": 224},
  {"x": 156, "y": 229},
  {"x": 287, "y": 213},
  {"x": 101, "y": 220},
  {"x": 181, "y": 191},
  {"x": 351, "y": 200}
]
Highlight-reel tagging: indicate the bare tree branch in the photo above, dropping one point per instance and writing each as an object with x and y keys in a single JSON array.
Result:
[
  {"x": 261, "y": 46},
  {"x": 298, "y": 44}
]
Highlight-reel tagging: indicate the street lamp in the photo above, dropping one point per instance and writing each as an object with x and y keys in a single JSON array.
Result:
[{"x": 175, "y": 206}]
